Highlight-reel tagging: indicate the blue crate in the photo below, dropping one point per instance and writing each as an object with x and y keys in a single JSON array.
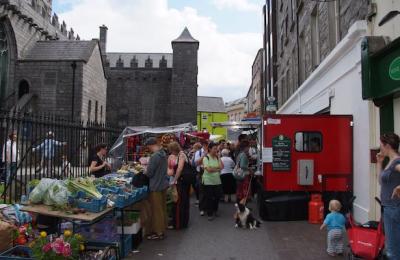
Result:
[
  {"x": 95, "y": 205},
  {"x": 127, "y": 240},
  {"x": 123, "y": 200},
  {"x": 7, "y": 254}
]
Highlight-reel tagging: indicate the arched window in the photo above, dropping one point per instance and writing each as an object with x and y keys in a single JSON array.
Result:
[
  {"x": 23, "y": 88},
  {"x": 4, "y": 61}
]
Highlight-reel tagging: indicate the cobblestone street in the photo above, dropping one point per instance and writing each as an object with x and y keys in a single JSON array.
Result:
[{"x": 219, "y": 240}]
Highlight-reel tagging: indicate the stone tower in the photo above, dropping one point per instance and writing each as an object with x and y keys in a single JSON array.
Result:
[{"x": 184, "y": 79}]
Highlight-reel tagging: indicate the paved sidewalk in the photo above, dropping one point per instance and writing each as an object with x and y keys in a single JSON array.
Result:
[{"x": 219, "y": 240}]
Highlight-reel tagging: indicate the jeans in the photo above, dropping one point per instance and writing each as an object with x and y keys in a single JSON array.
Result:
[
  {"x": 11, "y": 169},
  {"x": 391, "y": 220}
]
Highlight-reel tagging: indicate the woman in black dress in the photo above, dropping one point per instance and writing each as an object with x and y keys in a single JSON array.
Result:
[{"x": 98, "y": 166}]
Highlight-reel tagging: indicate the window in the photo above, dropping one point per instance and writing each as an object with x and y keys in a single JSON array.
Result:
[
  {"x": 310, "y": 142},
  {"x": 302, "y": 59},
  {"x": 333, "y": 22},
  {"x": 89, "y": 112},
  {"x": 96, "y": 110},
  {"x": 315, "y": 38},
  {"x": 101, "y": 113}
]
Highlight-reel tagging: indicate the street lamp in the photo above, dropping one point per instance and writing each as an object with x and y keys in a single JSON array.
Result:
[
  {"x": 388, "y": 17},
  {"x": 73, "y": 65}
]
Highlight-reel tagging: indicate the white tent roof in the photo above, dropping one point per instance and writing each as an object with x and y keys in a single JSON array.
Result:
[{"x": 140, "y": 130}]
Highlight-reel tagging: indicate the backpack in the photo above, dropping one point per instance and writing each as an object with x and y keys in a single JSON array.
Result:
[{"x": 188, "y": 175}]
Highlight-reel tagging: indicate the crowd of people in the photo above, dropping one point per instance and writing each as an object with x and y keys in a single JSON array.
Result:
[{"x": 205, "y": 168}]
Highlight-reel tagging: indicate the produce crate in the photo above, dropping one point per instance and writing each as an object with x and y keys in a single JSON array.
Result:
[
  {"x": 110, "y": 190},
  {"x": 132, "y": 229},
  {"x": 127, "y": 246},
  {"x": 12, "y": 254},
  {"x": 110, "y": 250},
  {"x": 94, "y": 205}
]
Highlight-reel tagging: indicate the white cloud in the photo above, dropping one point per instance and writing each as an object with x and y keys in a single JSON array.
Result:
[
  {"x": 240, "y": 5},
  {"x": 150, "y": 25}
]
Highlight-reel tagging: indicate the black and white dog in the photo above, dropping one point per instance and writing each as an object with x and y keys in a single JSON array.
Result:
[{"x": 244, "y": 217}]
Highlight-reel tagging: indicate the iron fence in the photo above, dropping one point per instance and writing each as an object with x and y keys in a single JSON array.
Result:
[{"x": 45, "y": 146}]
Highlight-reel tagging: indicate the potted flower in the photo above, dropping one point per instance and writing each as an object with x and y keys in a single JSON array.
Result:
[{"x": 67, "y": 246}]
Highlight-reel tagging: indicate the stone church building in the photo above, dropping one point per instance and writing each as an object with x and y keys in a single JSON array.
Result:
[
  {"x": 152, "y": 89},
  {"x": 46, "y": 68}
]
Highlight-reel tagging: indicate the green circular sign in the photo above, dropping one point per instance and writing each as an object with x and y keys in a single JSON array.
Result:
[{"x": 394, "y": 69}]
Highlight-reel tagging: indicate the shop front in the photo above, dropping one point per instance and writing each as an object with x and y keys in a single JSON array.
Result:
[
  {"x": 380, "y": 84},
  {"x": 381, "y": 80}
]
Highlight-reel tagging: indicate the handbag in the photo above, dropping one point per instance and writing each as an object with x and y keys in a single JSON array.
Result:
[{"x": 238, "y": 173}]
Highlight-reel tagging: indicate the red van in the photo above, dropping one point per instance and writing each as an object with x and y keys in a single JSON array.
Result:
[{"x": 301, "y": 155}]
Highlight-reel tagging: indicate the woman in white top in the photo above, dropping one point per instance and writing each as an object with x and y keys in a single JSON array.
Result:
[{"x": 227, "y": 179}]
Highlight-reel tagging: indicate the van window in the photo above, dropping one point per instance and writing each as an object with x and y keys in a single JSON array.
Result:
[{"x": 310, "y": 142}]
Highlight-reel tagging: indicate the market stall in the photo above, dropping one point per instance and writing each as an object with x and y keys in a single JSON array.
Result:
[
  {"x": 97, "y": 211},
  {"x": 129, "y": 145}
]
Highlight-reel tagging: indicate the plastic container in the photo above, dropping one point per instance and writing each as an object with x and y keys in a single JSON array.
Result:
[
  {"x": 94, "y": 205},
  {"x": 316, "y": 209},
  {"x": 127, "y": 246},
  {"x": 130, "y": 230},
  {"x": 7, "y": 255}
]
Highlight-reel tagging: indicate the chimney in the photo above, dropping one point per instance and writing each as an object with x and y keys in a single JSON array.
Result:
[{"x": 103, "y": 40}]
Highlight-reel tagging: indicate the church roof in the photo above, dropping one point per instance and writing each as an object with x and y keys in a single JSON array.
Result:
[
  {"x": 210, "y": 104},
  {"x": 186, "y": 37},
  {"x": 61, "y": 51},
  {"x": 141, "y": 58}
]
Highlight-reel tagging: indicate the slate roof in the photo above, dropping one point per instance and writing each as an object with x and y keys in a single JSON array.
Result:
[
  {"x": 236, "y": 102},
  {"x": 210, "y": 104},
  {"x": 61, "y": 51},
  {"x": 141, "y": 58},
  {"x": 186, "y": 37}
]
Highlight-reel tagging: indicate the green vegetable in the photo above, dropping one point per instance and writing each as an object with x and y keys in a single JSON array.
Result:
[
  {"x": 33, "y": 183},
  {"x": 86, "y": 185}
]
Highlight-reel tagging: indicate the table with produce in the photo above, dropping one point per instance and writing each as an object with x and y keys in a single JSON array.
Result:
[{"x": 93, "y": 217}]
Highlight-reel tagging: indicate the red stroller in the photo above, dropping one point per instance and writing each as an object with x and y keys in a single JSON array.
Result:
[{"x": 365, "y": 241}]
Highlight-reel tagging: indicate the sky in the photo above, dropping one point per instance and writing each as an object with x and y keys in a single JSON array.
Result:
[{"x": 229, "y": 31}]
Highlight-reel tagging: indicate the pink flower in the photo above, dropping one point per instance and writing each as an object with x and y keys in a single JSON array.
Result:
[
  {"x": 67, "y": 252},
  {"x": 58, "y": 246},
  {"x": 46, "y": 248}
]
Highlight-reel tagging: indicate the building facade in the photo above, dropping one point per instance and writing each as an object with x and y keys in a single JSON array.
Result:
[
  {"x": 318, "y": 57},
  {"x": 45, "y": 67},
  {"x": 307, "y": 32},
  {"x": 152, "y": 89},
  {"x": 211, "y": 110},
  {"x": 236, "y": 109},
  {"x": 255, "y": 94}
]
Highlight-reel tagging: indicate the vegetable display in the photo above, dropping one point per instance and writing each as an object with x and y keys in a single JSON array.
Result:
[{"x": 86, "y": 185}]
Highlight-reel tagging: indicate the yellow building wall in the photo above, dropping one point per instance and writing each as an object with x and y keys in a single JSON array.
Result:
[{"x": 204, "y": 120}]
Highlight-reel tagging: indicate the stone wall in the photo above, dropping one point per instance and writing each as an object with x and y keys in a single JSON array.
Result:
[
  {"x": 138, "y": 96},
  {"x": 94, "y": 88},
  {"x": 184, "y": 83},
  {"x": 51, "y": 82},
  {"x": 307, "y": 31}
]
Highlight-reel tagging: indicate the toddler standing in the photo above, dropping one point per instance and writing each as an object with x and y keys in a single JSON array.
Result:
[{"x": 335, "y": 222}]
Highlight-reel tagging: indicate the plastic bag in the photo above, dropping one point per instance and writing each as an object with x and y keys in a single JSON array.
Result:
[
  {"x": 57, "y": 194},
  {"x": 37, "y": 194}
]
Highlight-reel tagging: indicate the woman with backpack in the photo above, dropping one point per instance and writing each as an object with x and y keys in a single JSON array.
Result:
[
  {"x": 181, "y": 171},
  {"x": 212, "y": 180}
]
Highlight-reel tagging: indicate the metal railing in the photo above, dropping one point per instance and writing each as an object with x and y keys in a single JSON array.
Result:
[{"x": 45, "y": 146}]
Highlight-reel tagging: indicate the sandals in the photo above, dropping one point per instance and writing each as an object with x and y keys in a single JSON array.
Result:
[{"x": 156, "y": 237}]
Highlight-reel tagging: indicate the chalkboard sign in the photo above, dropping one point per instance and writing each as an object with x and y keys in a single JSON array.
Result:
[{"x": 281, "y": 146}]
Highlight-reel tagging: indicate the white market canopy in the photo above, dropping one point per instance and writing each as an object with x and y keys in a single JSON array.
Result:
[
  {"x": 140, "y": 130},
  {"x": 238, "y": 125}
]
